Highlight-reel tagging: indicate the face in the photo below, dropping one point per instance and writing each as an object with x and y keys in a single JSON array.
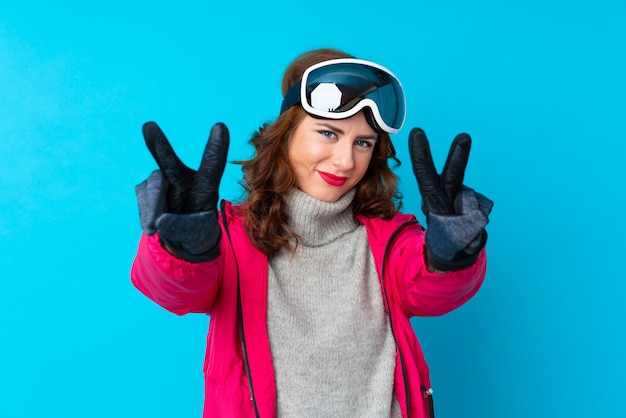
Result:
[{"x": 329, "y": 157}]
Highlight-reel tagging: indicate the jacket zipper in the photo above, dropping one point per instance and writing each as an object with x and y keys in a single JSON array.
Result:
[
  {"x": 427, "y": 391},
  {"x": 244, "y": 349}
]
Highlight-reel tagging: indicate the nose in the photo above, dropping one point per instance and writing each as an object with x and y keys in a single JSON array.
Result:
[{"x": 343, "y": 157}]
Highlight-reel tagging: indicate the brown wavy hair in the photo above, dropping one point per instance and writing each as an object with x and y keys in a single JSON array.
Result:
[{"x": 268, "y": 175}]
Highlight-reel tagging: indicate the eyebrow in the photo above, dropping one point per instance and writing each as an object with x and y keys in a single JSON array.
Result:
[{"x": 372, "y": 137}]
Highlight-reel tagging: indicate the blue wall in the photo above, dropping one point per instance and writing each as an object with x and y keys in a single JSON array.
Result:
[{"x": 541, "y": 87}]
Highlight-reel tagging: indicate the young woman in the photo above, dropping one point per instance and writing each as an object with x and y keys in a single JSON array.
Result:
[{"x": 310, "y": 282}]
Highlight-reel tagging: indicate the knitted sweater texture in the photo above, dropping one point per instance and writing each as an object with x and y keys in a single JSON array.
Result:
[{"x": 331, "y": 345}]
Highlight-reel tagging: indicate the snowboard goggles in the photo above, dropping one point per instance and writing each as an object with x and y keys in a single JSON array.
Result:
[{"x": 339, "y": 88}]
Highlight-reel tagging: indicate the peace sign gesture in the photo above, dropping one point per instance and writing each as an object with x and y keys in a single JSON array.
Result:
[
  {"x": 190, "y": 191},
  {"x": 439, "y": 191},
  {"x": 456, "y": 215},
  {"x": 181, "y": 203}
]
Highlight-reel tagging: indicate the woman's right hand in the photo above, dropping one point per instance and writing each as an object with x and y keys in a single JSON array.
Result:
[{"x": 181, "y": 203}]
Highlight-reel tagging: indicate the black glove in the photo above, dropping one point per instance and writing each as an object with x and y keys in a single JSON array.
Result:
[
  {"x": 180, "y": 203},
  {"x": 456, "y": 215}
]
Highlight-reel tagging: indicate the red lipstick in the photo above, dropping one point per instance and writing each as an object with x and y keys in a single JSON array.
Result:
[{"x": 332, "y": 179}]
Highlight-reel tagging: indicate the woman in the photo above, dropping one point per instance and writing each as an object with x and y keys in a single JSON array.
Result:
[{"x": 311, "y": 281}]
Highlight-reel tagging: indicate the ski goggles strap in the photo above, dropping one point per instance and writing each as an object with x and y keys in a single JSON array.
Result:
[{"x": 340, "y": 88}]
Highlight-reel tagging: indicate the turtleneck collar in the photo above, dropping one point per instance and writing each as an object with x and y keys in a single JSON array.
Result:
[{"x": 318, "y": 222}]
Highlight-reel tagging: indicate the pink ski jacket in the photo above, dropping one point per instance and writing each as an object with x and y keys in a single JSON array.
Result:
[{"x": 232, "y": 289}]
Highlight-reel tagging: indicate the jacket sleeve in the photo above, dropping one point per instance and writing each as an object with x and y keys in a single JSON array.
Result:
[
  {"x": 177, "y": 285},
  {"x": 427, "y": 293}
]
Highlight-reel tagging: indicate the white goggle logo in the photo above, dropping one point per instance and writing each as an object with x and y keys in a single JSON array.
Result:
[{"x": 326, "y": 97}]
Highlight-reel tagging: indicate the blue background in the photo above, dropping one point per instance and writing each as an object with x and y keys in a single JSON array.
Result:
[{"x": 541, "y": 87}]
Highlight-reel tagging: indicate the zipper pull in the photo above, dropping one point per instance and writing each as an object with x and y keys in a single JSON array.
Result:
[{"x": 428, "y": 394}]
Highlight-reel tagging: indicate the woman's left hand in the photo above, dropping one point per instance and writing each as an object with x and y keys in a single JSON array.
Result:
[{"x": 456, "y": 215}]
